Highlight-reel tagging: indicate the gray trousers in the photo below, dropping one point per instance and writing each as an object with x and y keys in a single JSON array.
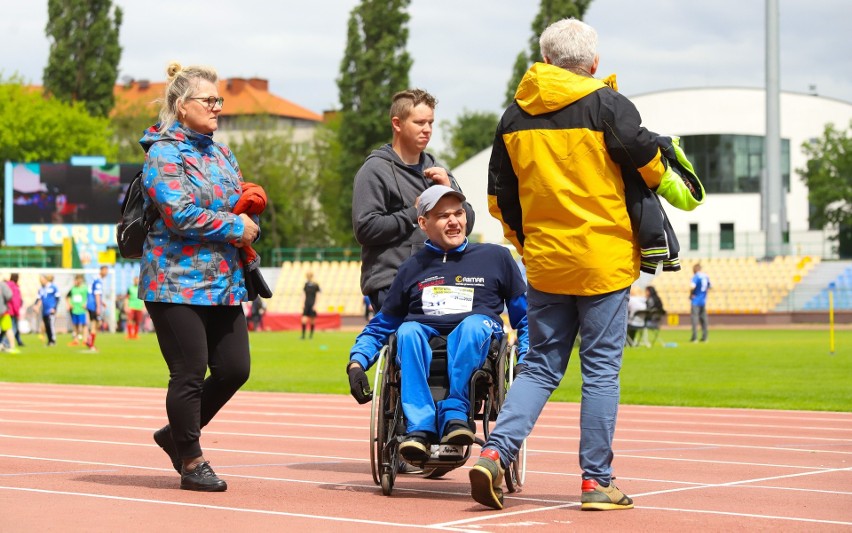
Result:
[{"x": 699, "y": 316}]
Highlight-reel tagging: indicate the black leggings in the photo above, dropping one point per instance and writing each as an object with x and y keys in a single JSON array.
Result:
[
  {"x": 193, "y": 338},
  {"x": 50, "y": 327}
]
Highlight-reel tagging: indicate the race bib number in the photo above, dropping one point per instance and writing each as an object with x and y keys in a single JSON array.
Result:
[{"x": 442, "y": 300}]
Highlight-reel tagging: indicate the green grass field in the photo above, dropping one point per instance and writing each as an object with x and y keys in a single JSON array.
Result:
[{"x": 756, "y": 368}]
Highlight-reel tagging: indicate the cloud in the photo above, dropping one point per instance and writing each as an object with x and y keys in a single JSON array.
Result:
[{"x": 463, "y": 51}]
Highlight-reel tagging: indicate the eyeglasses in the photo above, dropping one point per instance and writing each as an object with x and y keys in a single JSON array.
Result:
[{"x": 211, "y": 101}]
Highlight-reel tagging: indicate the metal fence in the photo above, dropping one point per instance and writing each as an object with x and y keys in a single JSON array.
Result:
[
  {"x": 31, "y": 257},
  {"x": 280, "y": 255}
]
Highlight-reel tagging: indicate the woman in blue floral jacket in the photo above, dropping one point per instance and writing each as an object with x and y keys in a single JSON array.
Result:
[{"x": 191, "y": 275}]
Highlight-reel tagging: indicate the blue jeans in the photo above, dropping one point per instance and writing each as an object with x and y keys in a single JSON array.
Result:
[
  {"x": 554, "y": 321},
  {"x": 467, "y": 348}
]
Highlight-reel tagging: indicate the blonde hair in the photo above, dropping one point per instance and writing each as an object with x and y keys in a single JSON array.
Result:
[{"x": 182, "y": 83}]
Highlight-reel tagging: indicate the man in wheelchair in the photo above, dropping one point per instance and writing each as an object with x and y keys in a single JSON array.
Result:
[{"x": 449, "y": 287}]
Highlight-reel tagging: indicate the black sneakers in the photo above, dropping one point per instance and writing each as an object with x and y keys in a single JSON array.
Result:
[
  {"x": 203, "y": 479},
  {"x": 457, "y": 432},
  {"x": 163, "y": 438},
  {"x": 415, "y": 448}
]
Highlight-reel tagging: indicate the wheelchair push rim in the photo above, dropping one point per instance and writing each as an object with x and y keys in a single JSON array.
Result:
[{"x": 377, "y": 433}]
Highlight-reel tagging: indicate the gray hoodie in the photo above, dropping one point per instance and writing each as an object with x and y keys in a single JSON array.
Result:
[{"x": 383, "y": 215}]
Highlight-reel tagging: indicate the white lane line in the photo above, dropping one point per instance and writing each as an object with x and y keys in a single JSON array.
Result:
[
  {"x": 555, "y": 504},
  {"x": 718, "y": 462},
  {"x": 620, "y": 441},
  {"x": 224, "y": 472},
  {"x": 365, "y": 441},
  {"x": 17, "y": 389},
  {"x": 740, "y": 484},
  {"x": 237, "y": 408},
  {"x": 575, "y": 430},
  {"x": 752, "y": 515},
  {"x": 571, "y": 410},
  {"x": 504, "y": 514},
  {"x": 206, "y": 448},
  {"x": 229, "y": 411},
  {"x": 501, "y": 515},
  {"x": 151, "y": 430},
  {"x": 746, "y": 481},
  {"x": 686, "y": 445},
  {"x": 690, "y": 483},
  {"x": 843, "y": 425},
  {"x": 267, "y": 512},
  {"x": 299, "y": 400},
  {"x": 206, "y": 432},
  {"x": 60, "y": 472}
]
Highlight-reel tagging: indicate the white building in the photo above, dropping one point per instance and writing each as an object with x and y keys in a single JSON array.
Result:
[{"x": 722, "y": 131}]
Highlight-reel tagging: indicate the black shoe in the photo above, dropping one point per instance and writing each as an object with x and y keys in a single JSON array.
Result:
[
  {"x": 415, "y": 448},
  {"x": 163, "y": 438},
  {"x": 202, "y": 478},
  {"x": 457, "y": 432},
  {"x": 405, "y": 468}
]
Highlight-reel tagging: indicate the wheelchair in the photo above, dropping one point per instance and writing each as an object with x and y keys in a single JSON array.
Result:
[{"x": 488, "y": 387}]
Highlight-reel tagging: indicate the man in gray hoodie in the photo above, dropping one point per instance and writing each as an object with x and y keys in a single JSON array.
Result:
[{"x": 384, "y": 213}]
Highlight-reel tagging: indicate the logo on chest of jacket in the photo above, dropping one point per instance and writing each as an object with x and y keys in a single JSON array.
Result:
[
  {"x": 477, "y": 281},
  {"x": 430, "y": 282}
]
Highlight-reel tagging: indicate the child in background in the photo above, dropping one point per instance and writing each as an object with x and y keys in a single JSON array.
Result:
[
  {"x": 135, "y": 310},
  {"x": 48, "y": 298},
  {"x": 77, "y": 298}
]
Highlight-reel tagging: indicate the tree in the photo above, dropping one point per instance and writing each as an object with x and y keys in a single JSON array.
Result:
[
  {"x": 472, "y": 132},
  {"x": 289, "y": 172},
  {"x": 375, "y": 65},
  {"x": 84, "y": 52},
  {"x": 828, "y": 176},
  {"x": 128, "y": 123},
  {"x": 327, "y": 150},
  {"x": 36, "y": 128},
  {"x": 549, "y": 11}
]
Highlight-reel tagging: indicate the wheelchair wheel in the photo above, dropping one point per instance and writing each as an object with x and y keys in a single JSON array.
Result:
[
  {"x": 387, "y": 483},
  {"x": 517, "y": 471},
  {"x": 378, "y": 432}
]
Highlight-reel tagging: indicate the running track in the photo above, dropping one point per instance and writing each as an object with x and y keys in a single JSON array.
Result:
[{"x": 80, "y": 458}]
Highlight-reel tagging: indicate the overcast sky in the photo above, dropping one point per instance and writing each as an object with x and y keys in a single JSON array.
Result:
[{"x": 463, "y": 50}]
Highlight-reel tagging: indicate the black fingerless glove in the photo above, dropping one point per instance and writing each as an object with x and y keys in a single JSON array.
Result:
[{"x": 359, "y": 386}]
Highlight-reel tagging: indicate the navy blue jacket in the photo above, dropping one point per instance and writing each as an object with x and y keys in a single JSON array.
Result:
[{"x": 441, "y": 289}]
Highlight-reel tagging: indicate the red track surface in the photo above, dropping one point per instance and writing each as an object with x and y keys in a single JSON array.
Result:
[{"x": 77, "y": 458}]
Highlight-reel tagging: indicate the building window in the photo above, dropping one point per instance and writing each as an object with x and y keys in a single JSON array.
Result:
[
  {"x": 726, "y": 236},
  {"x": 693, "y": 236},
  {"x": 732, "y": 163}
]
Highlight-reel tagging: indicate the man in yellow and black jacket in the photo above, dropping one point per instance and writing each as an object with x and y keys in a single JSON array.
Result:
[{"x": 556, "y": 180}]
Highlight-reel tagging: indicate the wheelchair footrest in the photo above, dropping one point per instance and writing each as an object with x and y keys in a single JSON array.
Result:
[{"x": 447, "y": 452}]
